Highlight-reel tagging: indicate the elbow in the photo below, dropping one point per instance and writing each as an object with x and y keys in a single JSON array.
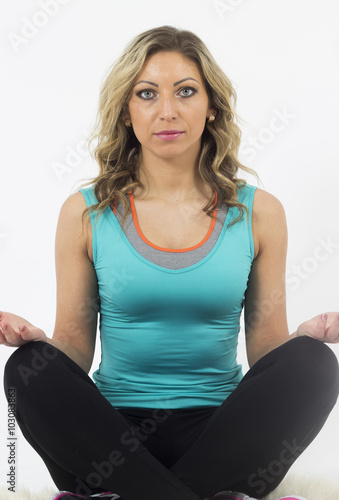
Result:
[{"x": 256, "y": 351}]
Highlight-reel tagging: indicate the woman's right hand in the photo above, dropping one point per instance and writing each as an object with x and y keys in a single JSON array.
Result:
[{"x": 16, "y": 331}]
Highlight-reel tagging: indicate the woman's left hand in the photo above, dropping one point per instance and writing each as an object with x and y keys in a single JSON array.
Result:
[{"x": 325, "y": 330}]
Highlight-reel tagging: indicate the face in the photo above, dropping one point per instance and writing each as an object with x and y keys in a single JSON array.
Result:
[{"x": 168, "y": 106}]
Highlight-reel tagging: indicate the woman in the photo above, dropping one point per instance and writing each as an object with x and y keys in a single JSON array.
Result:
[{"x": 172, "y": 249}]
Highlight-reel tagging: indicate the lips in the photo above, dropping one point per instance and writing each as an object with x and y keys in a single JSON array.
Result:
[{"x": 169, "y": 135}]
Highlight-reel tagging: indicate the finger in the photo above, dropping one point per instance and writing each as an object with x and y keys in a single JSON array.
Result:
[
  {"x": 332, "y": 332},
  {"x": 27, "y": 334},
  {"x": 320, "y": 329},
  {"x": 4, "y": 341},
  {"x": 11, "y": 336},
  {"x": 2, "y": 337}
]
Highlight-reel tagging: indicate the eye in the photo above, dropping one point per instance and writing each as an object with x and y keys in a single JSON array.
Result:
[
  {"x": 145, "y": 94},
  {"x": 187, "y": 91}
]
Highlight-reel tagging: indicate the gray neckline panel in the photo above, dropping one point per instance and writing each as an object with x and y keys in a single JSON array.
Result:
[{"x": 171, "y": 260}]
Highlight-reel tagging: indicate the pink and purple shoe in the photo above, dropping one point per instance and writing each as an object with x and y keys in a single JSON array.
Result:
[
  {"x": 292, "y": 498},
  {"x": 67, "y": 495},
  {"x": 233, "y": 495}
]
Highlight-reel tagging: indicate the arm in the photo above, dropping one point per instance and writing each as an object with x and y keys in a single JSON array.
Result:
[
  {"x": 77, "y": 294},
  {"x": 77, "y": 291},
  {"x": 265, "y": 297}
]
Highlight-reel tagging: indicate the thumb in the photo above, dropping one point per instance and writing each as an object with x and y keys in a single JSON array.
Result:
[
  {"x": 320, "y": 329},
  {"x": 28, "y": 334}
]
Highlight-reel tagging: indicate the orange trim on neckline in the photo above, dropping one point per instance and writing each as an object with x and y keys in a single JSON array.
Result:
[
  {"x": 115, "y": 205},
  {"x": 115, "y": 202},
  {"x": 142, "y": 236}
]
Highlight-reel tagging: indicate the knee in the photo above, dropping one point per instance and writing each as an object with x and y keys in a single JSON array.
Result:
[
  {"x": 314, "y": 356},
  {"x": 314, "y": 363},
  {"x": 27, "y": 362}
]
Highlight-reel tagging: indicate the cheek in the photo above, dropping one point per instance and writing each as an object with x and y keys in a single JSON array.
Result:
[
  {"x": 142, "y": 124},
  {"x": 198, "y": 121},
  {"x": 198, "y": 113},
  {"x": 142, "y": 119},
  {"x": 140, "y": 112}
]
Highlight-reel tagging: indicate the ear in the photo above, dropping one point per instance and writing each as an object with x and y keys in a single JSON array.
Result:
[
  {"x": 212, "y": 111},
  {"x": 126, "y": 116}
]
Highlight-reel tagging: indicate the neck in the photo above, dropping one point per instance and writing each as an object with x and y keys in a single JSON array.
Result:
[{"x": 171, "y": 179}]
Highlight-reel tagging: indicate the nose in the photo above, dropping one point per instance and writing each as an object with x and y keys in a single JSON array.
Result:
[{"x": 168, "y": 108}]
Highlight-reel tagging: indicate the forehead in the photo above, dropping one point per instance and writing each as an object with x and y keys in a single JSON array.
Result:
[{"x": 164, "y": 65}]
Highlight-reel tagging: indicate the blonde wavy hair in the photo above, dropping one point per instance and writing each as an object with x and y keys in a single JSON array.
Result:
[{"x": 118, "y": 151}]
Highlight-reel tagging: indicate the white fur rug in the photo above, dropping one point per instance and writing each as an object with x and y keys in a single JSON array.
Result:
[{"x": 309, "y": 487}]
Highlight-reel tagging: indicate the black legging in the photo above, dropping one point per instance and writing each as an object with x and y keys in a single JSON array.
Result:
[{"x": 246, "y": 444}]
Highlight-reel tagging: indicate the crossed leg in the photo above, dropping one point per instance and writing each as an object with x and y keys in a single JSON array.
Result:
[{"x": 247, "y": 444}]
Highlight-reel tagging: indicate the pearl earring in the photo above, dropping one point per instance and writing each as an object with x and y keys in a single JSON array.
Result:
[{"x": 211, "y": 118}]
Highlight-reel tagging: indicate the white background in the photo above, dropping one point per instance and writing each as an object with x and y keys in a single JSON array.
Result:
[{"x": 282, "y": 57}]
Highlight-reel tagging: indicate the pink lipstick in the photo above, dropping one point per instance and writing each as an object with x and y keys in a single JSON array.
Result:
[{"x": 169, "y": 135}]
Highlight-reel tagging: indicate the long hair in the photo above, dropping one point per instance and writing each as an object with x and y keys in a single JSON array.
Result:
[{"x": 118, "y": 151}]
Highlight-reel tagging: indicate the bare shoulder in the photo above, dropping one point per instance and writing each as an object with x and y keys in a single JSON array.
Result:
[
  {"x": 75, "y": 202},
  {"x": 268, "y": 219},
  {"x": 265, "y": 203},
  {"x": 71, "y": 216}
]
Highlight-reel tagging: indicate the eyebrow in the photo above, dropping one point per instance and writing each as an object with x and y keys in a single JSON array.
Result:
[{"x": 174, "y": 84}]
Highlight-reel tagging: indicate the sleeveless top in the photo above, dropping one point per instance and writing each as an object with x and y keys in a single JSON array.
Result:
[{"x": 170, "y": 319}]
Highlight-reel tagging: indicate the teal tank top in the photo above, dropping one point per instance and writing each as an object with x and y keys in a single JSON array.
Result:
[{"x": 170, "y": 319}]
